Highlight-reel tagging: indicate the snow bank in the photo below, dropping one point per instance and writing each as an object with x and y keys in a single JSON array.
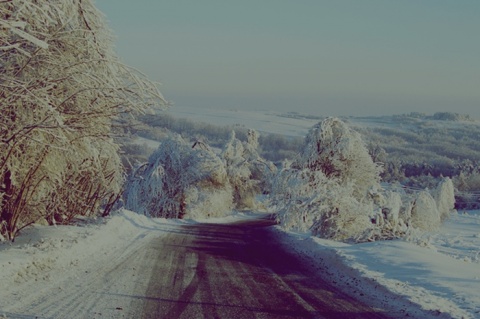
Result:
[{"x": 40, "y": 249}]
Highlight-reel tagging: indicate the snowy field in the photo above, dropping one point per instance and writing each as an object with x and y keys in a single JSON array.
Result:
[
  {"x": 262, "y": 121},
  {"x": 440, "y": 271},
  {"x": 295, "y": 124}
]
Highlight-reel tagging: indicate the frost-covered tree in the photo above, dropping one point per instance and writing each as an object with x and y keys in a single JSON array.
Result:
[
  {"x": 326, "y": 189},
  {"x": 332, "y": 189},
  {"x": 247, "y": 171},
  {"x": 61, "y": 90},
  {"x": 310, "y": 201},
  {"x": 340, "y": 153},
  {"x": 180, "y": 181}
]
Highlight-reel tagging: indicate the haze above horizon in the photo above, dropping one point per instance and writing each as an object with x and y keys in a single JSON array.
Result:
[{"x": 345, "y": 57}]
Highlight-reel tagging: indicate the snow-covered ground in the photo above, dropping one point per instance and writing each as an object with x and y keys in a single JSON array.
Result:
[
  {"x": 440, "y": 271},
  {"x": 72, "y": 271}
]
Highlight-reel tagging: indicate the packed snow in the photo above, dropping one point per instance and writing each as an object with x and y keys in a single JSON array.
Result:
[{"x": 438, "y": 271}]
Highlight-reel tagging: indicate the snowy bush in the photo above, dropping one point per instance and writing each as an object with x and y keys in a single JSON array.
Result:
[
  {"x": 391, "y": 219},
  {"x": 343, "y": 217},
  {"x": 339, "y": 152},
  {"x": 391, "y": 207},
  {"x": 309, "y": 201},
  {"x": 247, "y": 172},
  {"x": 292, "y": 192},
  {"x": 62, "y": 89},
  {"x": 202, "y": 201},
  {"x": 425, "y": 214},
  {"x": 180, "y": 181},
  {"x": 445, "y": 198}
]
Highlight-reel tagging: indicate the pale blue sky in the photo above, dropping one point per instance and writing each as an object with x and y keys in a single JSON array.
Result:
[{"x": 337, "y": 57}]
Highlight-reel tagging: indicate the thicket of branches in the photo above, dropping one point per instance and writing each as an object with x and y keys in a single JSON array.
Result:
[
  {"x": 62, "y": 89},
  {"x": 416, "y": 150}
]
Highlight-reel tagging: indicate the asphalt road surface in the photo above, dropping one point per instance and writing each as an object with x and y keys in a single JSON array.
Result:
[{"x": 238, "y": 271}]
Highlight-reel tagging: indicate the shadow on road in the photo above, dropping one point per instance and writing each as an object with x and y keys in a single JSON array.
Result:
[{"x": 238, "y": 270}]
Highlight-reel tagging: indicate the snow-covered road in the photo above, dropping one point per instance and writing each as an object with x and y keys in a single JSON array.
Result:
[
  {"x": 129, "y": 266},
  {"x": 176, "y": 271}
]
